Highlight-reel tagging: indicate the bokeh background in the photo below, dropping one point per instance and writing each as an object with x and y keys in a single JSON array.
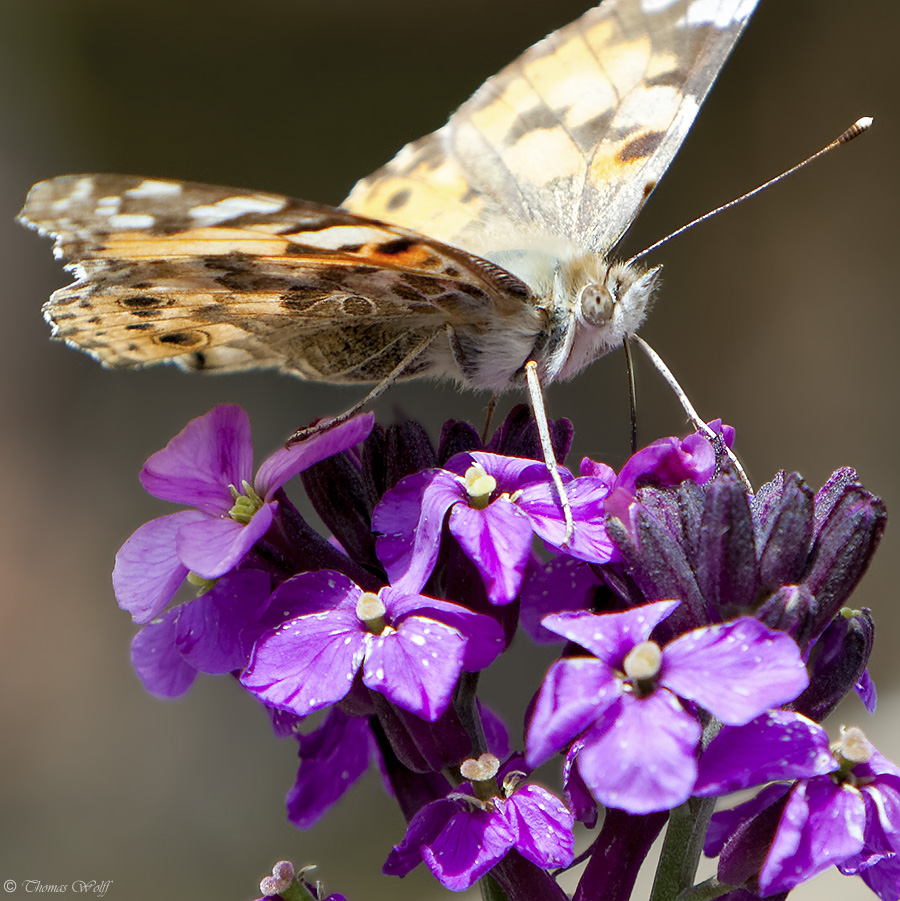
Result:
[{"x": 781, "y": 317}]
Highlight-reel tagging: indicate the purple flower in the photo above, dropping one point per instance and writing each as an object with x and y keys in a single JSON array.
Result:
[
  {"x": 209, "y": 466},
  {"x": 211, "y": 634},
  {"x": 332, "y": 758},
  {"x": 849, "y": 817},
  {"x": 410, "y": 648},
  {"x": 496, "y": 505},
  {"x": 669, "y": 461},
  {"x": 638, "y": 739},
  {"x": 461, "y": 837},
  {"x": 567, "y": 583}
]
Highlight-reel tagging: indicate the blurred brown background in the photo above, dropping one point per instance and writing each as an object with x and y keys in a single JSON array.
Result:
[{"x": 780, "y": 317}]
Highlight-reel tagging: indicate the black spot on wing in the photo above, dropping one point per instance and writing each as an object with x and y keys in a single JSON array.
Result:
[
  {"x": 398, "y": 245},
  {"x": 398, "y": 199},
  {"x": 182, "y": 339},
  {"x": 641, "y": 147}
]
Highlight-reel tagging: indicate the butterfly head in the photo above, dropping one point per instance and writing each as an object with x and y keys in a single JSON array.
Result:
[
  {"x": 606, "y": 302},
  {"x": 611, "y": 298}
]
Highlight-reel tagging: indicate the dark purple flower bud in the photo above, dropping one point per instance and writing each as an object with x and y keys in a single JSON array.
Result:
[
  {"x": 783, "y": 511},
  {"x": 789, "y": 610},
  {"x": 654, "y": 559},
  {"x": 727, "y": 570},
  {"x": 518, "y": 436},
  {"x": 423, "y": 747},
  {"x": 837, "y": 662},
  {"x": 843, "y": 546}
]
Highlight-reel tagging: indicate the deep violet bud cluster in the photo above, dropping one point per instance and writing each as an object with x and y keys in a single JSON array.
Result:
[{"x": 704, "y": 634}]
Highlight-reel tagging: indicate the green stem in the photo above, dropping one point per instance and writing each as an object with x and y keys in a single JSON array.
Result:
[
  {"x": 706, "y": 891},
  {"x": 297, "y": 891},
  {"x": 466, "y": 704},
  {"x": 682, "y": 848},
  {"x": 490, "y": 889}
]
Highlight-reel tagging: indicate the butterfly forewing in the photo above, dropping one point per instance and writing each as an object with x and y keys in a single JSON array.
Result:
[
  {"x": 217, "y": 278},
  {"x": 568, "y": 140}
]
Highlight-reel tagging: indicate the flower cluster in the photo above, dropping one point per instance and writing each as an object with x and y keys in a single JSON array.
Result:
[{"x": 704, "y": 636}]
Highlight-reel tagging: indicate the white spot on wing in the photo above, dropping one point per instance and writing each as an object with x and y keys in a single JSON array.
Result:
[
  {"x": 131, "y": 220},
  {"x": 152, "y": 187},
  {"x": 108, "y": 206},
  {"x": 232, "y": 207},
  {"x": 721, "y": 15}
]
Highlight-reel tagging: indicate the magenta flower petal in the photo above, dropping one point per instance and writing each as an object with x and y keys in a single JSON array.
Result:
[
  {"x": 735, "y": 670},
  {"x": 148, "y": 572},
  {"x": 213, "y": 546},
  {"x": 589, "y": 541},
  {"x": 468, "y": 846},
  {"x": 801, "y": 847},
  {"x": 202, "y": 460},
  {"x": 573, "y": 693},
  {"x": 511, "y": 473},
  {"x": 561, "y": 585},
  {"x": 210, "y": 630},
  {"x": 286, "y": 462},
  {"x": 332, "y": 759},
  {"x": 307, "y": 663},
  {"x": 157, "y": 662},
  {"x": 641, "y": 754},
  {"x": 484, "y": 636},
  {"x": 423, "y": 829},
  {"x": 777, "y": 745},
  {"x": 543, "y": 826},
  {"x": 417, "y": 666},
  {"x": 498, "y": 541},
  {"x": 610, "y": 635},
  {"x": 410, "y": 518}
]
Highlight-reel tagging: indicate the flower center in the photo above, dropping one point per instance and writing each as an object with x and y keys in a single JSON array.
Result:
[
  {"x": 482, "y": 774},
  {"x": 852, "y": 748},
  {"x": 202, "y": 585},
  {"x": 370, "y": 611},
  {"x": 246, "y": 504},
  {"x": 479, "y": 486},
  {"x": 642, "y": 667}
]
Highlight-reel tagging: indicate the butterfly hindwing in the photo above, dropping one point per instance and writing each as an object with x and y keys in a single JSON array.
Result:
[{"x": 218, "y": 278}]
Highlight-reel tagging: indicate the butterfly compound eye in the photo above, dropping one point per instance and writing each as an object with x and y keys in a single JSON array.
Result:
[{"x": 596, "y": 303}]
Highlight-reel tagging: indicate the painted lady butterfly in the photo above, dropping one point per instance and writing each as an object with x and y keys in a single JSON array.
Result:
[{"x": 497, "y": 251}]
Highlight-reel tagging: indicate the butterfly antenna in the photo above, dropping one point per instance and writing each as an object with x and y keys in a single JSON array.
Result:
[
  {"x": 693, "y": 416},
  {"x": 855, "y": 130}
]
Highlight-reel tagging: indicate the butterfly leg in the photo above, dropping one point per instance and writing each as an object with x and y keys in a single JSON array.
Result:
[
  {"x": 489, "y": 415},
  {"x": 540, "y": 418},
  {"x": 377, "y": 391},
  {"x": 715, "y": 439}
]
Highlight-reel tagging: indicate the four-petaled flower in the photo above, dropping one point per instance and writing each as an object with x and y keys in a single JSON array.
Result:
[
  {"x": 461, "y": 837},
  {"x": 496, "y": 505},
  {"x": 209, "y": 466},
  {"x": 843, "y": 809},
  {"x": 638, "y": 739},
  {"x": 410, "y": 648}
]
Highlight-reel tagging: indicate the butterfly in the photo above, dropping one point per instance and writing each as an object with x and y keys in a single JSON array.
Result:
[{"x": 478, "y": 248}]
